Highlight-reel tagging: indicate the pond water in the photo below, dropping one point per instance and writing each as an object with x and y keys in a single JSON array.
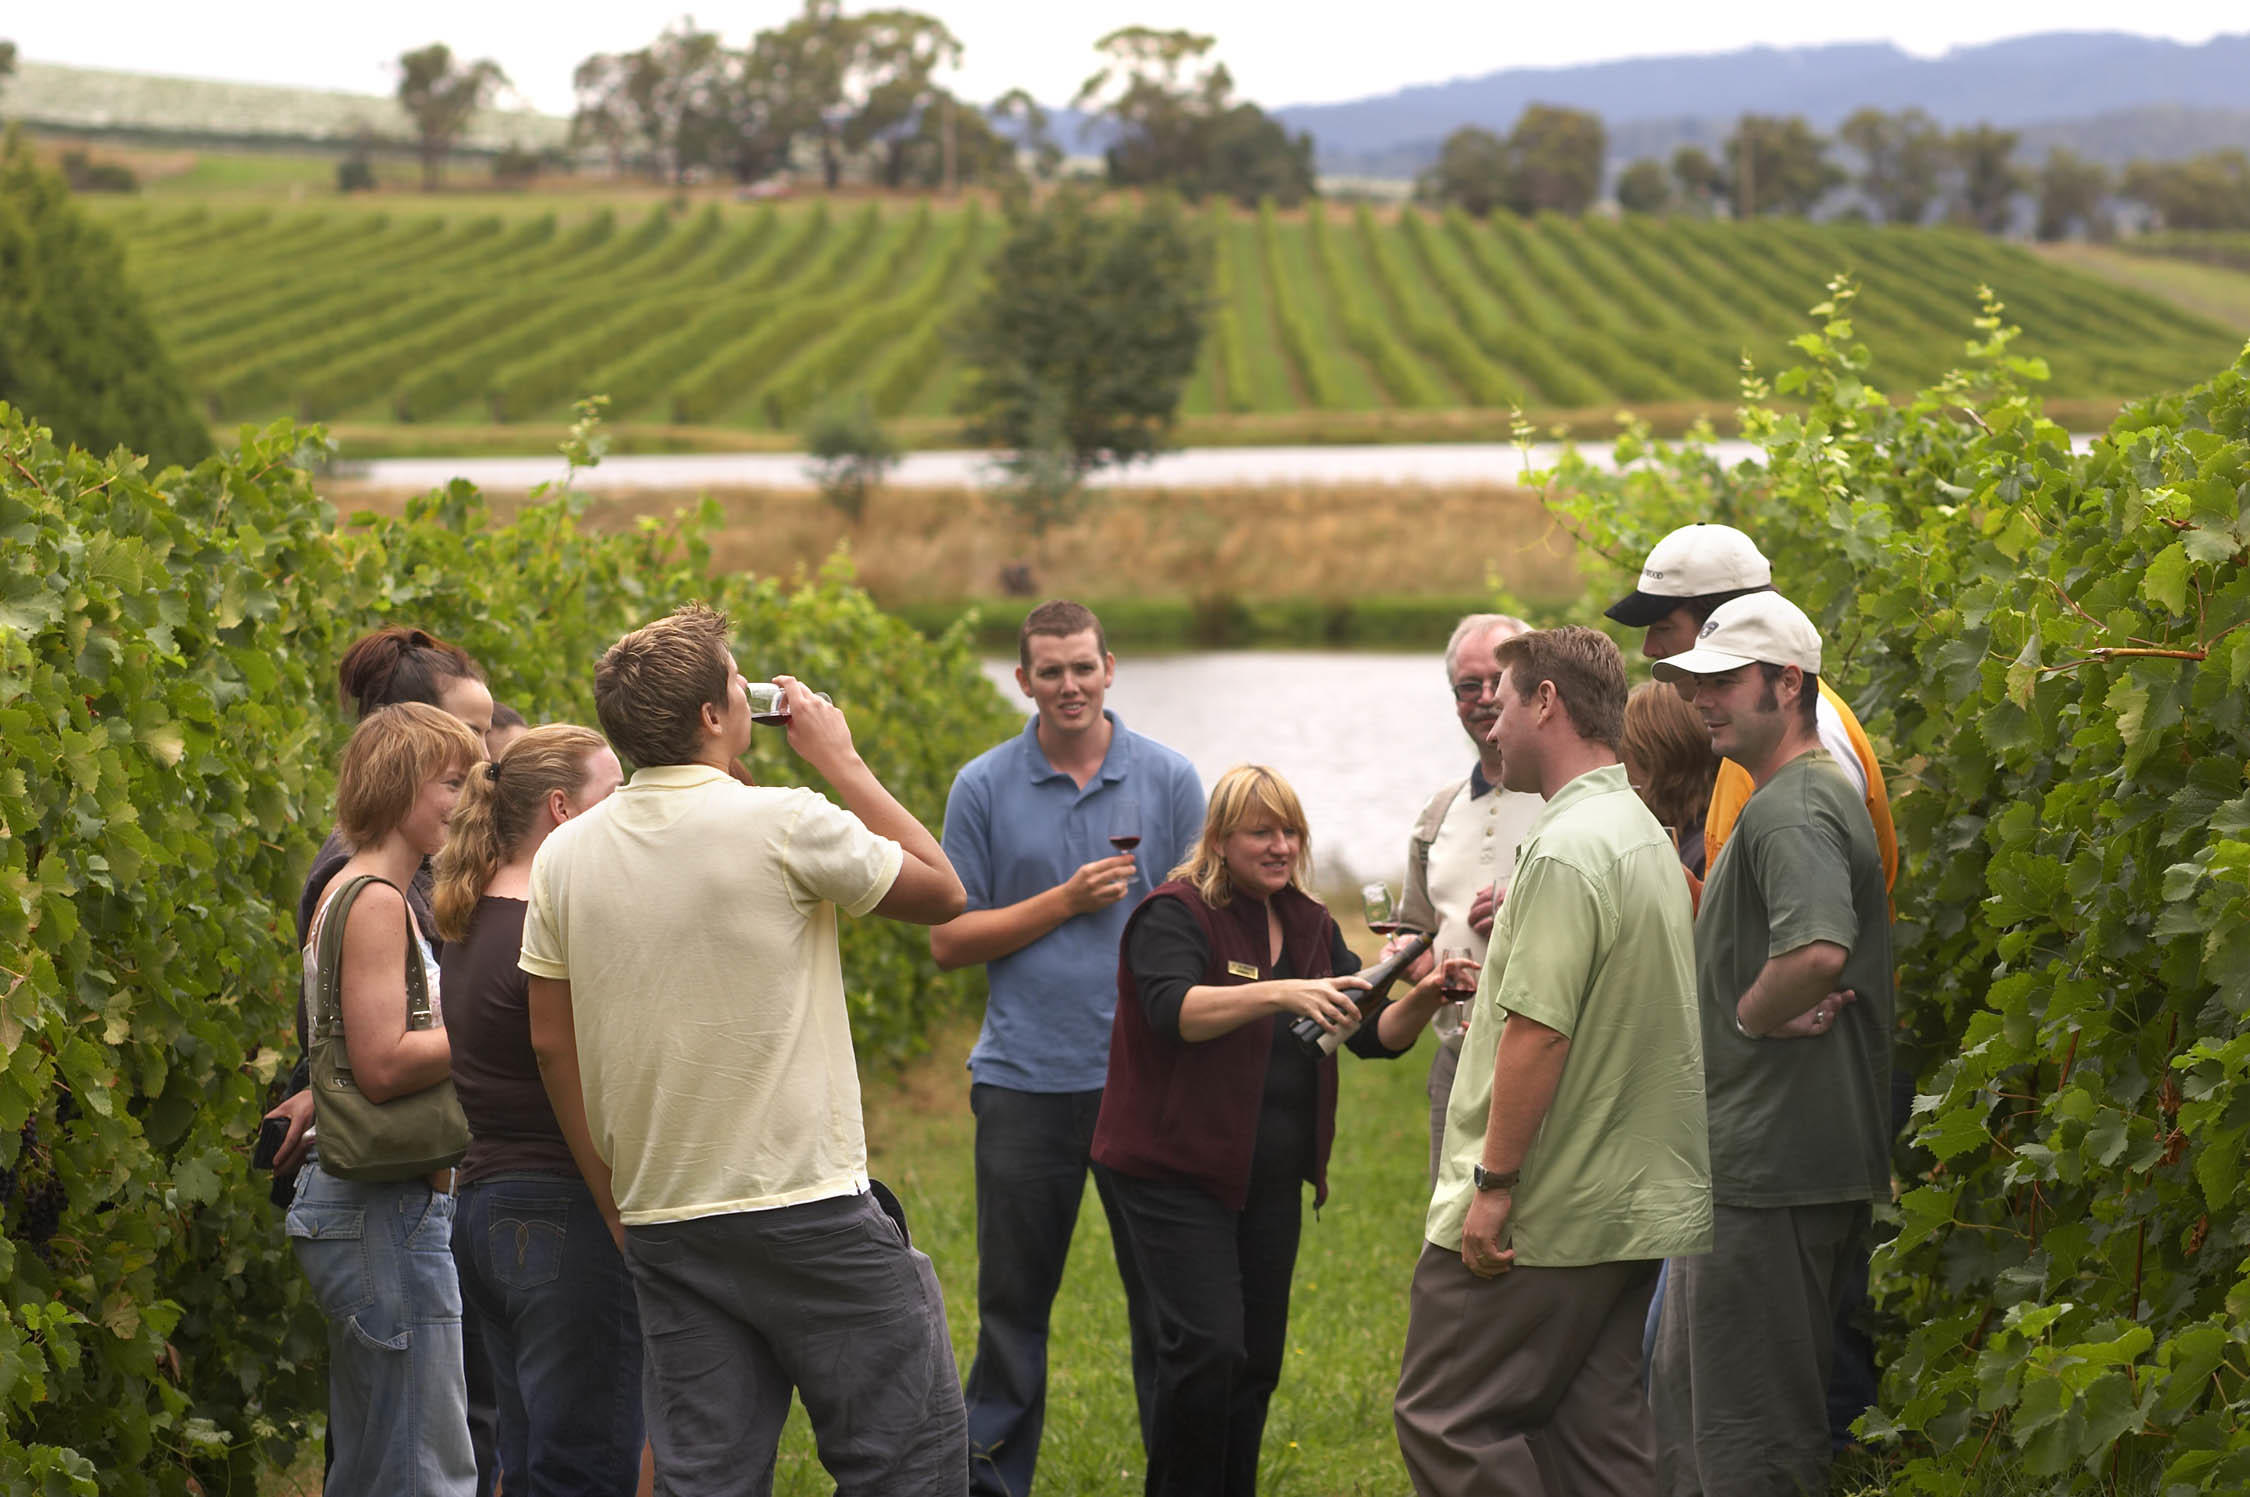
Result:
[{"x": 1364, "y": 737}]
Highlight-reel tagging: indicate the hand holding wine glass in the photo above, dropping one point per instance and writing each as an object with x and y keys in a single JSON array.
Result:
[{"x": 816, "y": 729}]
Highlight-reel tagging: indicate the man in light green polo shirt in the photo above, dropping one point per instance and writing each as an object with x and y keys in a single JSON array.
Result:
[{"x": 1575, "y": 1156}]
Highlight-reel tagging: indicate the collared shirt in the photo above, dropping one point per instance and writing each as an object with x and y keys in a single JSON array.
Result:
[
  {"x": 1596, "y": 942},
  {"x": 1015, "y": 827},
  {"x": 1464, "y": 841},
  {"x": 695, "y": 920}
]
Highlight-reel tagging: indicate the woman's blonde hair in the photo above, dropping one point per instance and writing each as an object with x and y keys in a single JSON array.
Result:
[
  {"x": 498, "y": 807},
  {"x": 1666, "y": 742},
  {"x": 1244, "y": 793},
  {"x": 393, "y": 753}
]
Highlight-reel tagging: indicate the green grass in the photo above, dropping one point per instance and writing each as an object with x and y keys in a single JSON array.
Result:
[{"x": 266, "y": 301}]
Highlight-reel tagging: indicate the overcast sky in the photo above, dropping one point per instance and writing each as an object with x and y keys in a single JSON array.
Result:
[{"x": 1280, "y": 53}]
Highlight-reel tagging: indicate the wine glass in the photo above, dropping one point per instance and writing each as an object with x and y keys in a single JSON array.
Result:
[
  {"x": 1458, "y": 970},
  {"x": 1125, "y": 825},
  {"x": 1381, "y": 910},
  {"x": 1125, "y": 829},
  {"x": 769, "y": 707}
]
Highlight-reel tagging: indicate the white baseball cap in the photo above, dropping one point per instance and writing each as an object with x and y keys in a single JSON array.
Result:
[
  {"x": 1694, "y": 561},
  {"x": 1757, "y": 629}
]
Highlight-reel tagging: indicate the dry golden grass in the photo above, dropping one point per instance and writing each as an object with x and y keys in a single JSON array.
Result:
[{"x": 1268, "y": 541}]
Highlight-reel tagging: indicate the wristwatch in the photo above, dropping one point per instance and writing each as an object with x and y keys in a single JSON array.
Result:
[{"x": 1485, "y": 1179}]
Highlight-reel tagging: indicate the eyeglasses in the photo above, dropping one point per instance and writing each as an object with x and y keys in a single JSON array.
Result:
[{"x": 1475, "y": 688}]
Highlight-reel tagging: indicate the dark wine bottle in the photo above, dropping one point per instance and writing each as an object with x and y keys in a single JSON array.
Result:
[{"x": 1306, "y": 1030}]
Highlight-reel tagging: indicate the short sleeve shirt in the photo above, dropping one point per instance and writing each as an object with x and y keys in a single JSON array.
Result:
[
  {"x": 1595, "y": 941},
  {"x": 695, "y": 920},
  {"x": 1798, "y": 1122},
  {"x": 1015, "y": 827}
]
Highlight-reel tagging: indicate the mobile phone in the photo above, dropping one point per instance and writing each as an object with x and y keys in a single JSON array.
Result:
[{"x": 270, "y": 1136}]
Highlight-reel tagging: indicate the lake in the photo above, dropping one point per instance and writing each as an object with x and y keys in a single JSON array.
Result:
[{"x": 1364, "y": 737}]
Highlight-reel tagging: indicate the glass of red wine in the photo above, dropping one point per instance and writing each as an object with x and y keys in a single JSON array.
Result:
[
  {"x": 769, "y": 707},
  {"x": 1125, "y": 825},
  {"x": 1458, "y": 970},
  {"x": 1125, "y": 828},
  {"x": 1381, "y": 910}
]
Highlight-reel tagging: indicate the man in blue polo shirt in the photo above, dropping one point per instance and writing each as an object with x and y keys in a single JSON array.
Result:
[{"x": 1028, "y": 828}]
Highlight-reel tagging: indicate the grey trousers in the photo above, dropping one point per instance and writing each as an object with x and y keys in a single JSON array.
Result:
[
  {"x": 1528, "y": 1384},
  {"x": 825, "y": 1299},
  {"x": 1739, "y": 1385}
]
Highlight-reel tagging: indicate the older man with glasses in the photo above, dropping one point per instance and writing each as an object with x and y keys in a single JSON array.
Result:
[{"x": 1463, "y": 849}]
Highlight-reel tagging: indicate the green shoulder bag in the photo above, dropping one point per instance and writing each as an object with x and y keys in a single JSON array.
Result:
[{"x": 359, "y": 1139}]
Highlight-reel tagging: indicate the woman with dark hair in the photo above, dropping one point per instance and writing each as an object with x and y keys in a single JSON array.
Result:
[
  {"x": 1215, "y": 1117},
  {"x": 373, "y": 1237},
  {"x": 541, "y": 1280}
]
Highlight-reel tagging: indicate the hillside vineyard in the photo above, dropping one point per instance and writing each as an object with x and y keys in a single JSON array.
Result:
[{"x": 749, "y": 315}]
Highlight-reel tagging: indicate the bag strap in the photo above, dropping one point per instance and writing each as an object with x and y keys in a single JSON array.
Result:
[{"x": 328, "y": 977}]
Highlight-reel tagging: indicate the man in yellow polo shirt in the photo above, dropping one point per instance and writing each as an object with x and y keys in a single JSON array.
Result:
[{"x": 688, "y": 1011}]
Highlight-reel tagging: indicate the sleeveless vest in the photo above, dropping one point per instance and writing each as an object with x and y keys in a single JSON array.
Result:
[{"x": 1185, "y": 1110}]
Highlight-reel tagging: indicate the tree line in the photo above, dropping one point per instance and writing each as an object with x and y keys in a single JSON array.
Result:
[
  {"x": 1911, "y": 170},
  {"x": 826, "y": 89}
]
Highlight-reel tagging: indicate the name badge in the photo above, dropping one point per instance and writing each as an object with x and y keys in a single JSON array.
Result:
[{"x": 1242, "y": 969}]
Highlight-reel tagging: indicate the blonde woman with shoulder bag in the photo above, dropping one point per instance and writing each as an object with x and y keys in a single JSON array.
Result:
[{"x": 372, "y": 1222}]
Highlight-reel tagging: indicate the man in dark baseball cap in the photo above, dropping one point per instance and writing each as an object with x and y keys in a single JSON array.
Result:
[{"x": 1690, "y": 572}]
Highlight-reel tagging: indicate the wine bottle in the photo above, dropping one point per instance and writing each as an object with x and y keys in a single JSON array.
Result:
[{"x": 1306, "y": 1030}]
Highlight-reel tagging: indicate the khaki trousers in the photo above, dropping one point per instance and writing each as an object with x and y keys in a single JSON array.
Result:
[{"x": 1528, "y": 1384}]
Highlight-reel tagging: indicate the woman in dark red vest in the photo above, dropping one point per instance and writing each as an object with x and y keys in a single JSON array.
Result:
[{"x": 1214, "y": 1118}]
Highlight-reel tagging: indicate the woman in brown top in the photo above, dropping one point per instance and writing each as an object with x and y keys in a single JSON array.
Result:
[{"x": 538, "y": 1269}]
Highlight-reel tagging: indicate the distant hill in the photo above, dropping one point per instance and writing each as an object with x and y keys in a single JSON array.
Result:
[{"x": 2078, "y": 88}]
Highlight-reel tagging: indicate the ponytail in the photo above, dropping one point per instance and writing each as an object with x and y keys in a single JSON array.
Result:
[{"x": 497, "y": 808}]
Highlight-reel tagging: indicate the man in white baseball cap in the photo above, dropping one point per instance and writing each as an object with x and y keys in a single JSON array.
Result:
[{"x": 1794, "y": 986}]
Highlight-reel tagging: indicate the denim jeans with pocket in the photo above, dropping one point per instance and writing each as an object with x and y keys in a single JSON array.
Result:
[
  {"x": 551, "y": 1298},
  {"x": 380, "y": 1258}
]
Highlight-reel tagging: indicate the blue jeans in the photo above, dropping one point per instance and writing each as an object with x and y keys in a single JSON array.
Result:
[
  {"x": 380, "y": 1259},
  {"x": 554, "y": 1304}
]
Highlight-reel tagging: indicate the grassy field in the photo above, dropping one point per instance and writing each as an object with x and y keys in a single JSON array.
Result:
[
  {"x": 439, "y": 322},
  {"x": 1252, "y": 543}
]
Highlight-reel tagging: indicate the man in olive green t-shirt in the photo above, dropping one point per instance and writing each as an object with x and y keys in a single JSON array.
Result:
[
  {"x": 1793, "y": 978},
  {"x": 1574, "y": 1155}
]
